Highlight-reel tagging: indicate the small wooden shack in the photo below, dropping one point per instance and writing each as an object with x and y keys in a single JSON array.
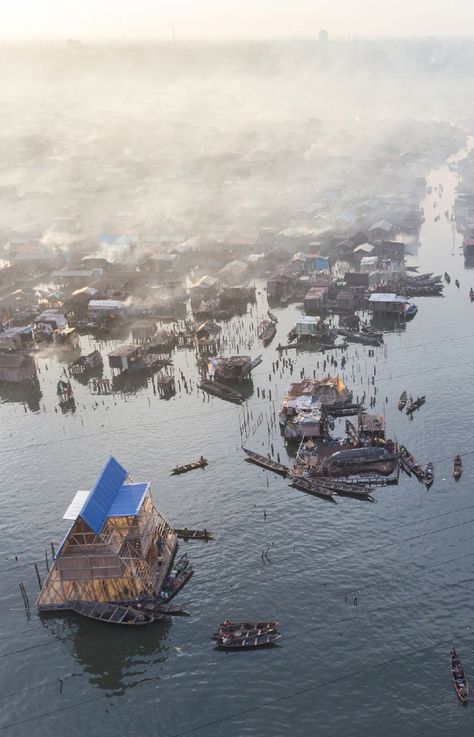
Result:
[
  {"x": 119, "y": 547},
  {"x": 16, "y": 367},
  {"x": 127, "y": 358}
]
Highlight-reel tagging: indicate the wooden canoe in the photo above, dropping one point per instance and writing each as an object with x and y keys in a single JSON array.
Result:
[
  {"x": 221, "y": 390},
  {"x": 459, "y": 678},
  {"x": 186, "y": 534},
  {"x": 408, "y": 460},
  {"x": 402, "y": 401},
  {"x": 310, "y": 487},
  {"x": 246, "y": 643},
  {"x": 429, "y": 475},
  {"x": 415, "y": 404},
  {"x": 357, "y": 492},
  {"x": 230, "y": 626},
  {"x": 201, "y": 463},
  {"x": 457, "y": 467},
  {"x": 173, "y": 586},
  {"x": 265, "y": 462},
  {"x": 245, "y": 632},
  {"x": 111, "y": 612}
]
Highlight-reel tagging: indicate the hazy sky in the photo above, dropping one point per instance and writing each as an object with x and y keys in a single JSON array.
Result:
[{"x": 224, "y": 18}]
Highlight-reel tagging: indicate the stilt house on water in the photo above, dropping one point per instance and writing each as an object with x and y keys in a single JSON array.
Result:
[{"x": 118, "y": 548}]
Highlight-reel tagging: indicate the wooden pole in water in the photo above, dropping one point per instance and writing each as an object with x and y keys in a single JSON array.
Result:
[
  {"x": 38, "y": 576},
  {"x": 53, "y": 552}
]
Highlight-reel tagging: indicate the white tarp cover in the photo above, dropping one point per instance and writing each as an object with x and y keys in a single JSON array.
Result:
[{"x": 76, "y": 505}]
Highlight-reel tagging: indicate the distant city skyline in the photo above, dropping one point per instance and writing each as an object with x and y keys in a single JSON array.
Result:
[{"x": 215, "y": 19}]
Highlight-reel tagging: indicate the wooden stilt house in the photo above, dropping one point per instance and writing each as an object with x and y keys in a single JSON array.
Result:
[{"x": 119, "y": 547}]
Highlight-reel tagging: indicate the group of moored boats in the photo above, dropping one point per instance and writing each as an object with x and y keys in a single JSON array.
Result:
[
  {"x": 245, "y": 635},
  {"x": 326, "y": 488},
  {"x": 425, "y": 475},
  {"x": 411, "y": 467},
  {"x": 413, "y": 404}
]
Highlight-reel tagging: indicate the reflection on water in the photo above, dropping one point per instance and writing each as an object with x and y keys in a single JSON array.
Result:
[
  {"x": 94, "y": 646},
  {"x": 27, "y": 393}
]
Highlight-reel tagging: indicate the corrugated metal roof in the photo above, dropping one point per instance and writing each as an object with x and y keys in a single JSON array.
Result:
[
  {"x": 125, "y": 350},
  {"x": 128, "y": 500},
  {"x": 379, "y": 297},
  {"x": 103, "y": 494}
]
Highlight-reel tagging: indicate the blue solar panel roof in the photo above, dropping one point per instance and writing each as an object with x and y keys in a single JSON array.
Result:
[
  {"x": 128, "y": 500},
  {"x": 103, "y": 494}
]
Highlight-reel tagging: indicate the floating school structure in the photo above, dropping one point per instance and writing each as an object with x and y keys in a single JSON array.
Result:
[{"x": 118, "y": 548}]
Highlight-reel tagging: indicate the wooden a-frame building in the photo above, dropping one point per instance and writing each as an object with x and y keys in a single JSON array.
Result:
[{"x": 118, "y": 548}]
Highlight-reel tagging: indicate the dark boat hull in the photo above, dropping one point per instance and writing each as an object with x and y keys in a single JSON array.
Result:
[
  {"x": 221, "y": 391},
  {"x": 264, "y": 462},
  {"x": 248, "y": 643},
  {"x": 189, "y": 467},
  {"x": 185, "y": 534},
  {"x": 459, "y": 678}
]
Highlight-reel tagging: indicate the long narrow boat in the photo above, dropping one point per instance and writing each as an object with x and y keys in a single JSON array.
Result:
[
  {"x": 354, "y": 337},
  {"x": 429, "y": 475},
  {"x": 314, "y": 489},
  {"x": 221, "y": 390},
  {"x": 447, "y": 277},
  {"x": 245, "y": 643},
  {"x": 173, "y": 587},
  {"x": 415, "y": 404},
  {"x": 346, "y": 489},
  {"x": 266, "y": 331},
  {"x": 157, "y": 607},
  {"x": 402, "y": 401},
  {"x": 459, "y": 677},
  {"x": 407, "y": 458},
  {"x": 230, "y": 626},
  {"x": 410, "y": 312},
  {"x": 343, "y": 409},
  {"x": 457, "y": 467},
  {"x": 201, "y": 463},
  {"x": 244, "y": 632},
  {"x": 112, "y": 613},
  {"x": 272, "y": 317},
  {"x": 185, "y": 534},
  {"x": 265, "y": 462},
  {"x": 405, "y": 467}
]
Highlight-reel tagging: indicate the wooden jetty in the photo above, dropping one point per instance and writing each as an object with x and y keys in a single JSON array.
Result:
[{"x": 265, "y": 462}]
